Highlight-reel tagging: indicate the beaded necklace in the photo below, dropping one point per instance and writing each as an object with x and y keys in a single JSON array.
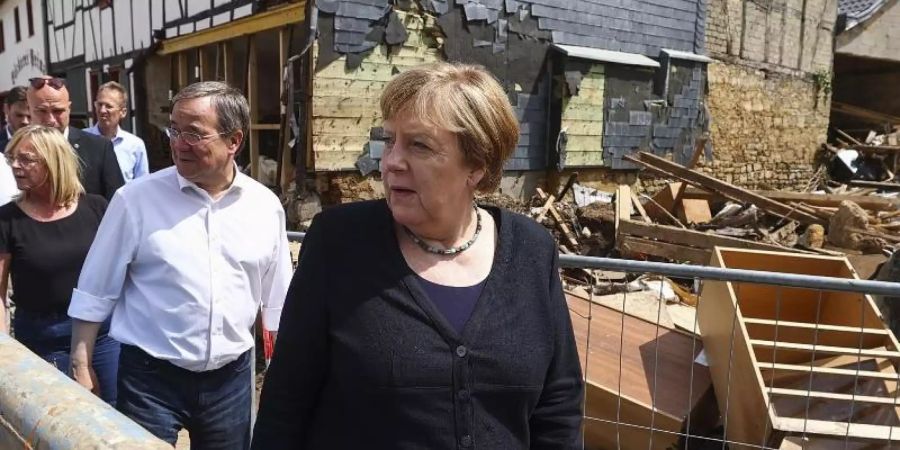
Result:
[{"x": 447, "y": 251}]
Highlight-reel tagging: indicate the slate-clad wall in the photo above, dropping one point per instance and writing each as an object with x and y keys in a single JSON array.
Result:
[{"x": 512, "y": 39}]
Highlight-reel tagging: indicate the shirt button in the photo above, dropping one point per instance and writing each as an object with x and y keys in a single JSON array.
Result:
[
  {"x": 461, "y": 351},
  {"x": 463, "y": 394},
  {"x": 466, "y": 440}
]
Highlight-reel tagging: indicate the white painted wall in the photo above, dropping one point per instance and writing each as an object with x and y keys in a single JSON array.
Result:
[
  {"x": 79, "y": 28},
  {"x": 24, "y": 59}
]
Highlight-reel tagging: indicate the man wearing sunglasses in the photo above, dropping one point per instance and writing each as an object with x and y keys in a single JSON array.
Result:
[{"x": 48, "y": 100}]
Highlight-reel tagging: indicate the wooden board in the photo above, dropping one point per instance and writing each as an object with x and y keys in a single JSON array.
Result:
[
  {"x": 730, "y": 191},
  {"x": 697, "y": 239},
  {"x": 869, "y": 202},
  {"x": 667, "y": 198},
  {"x": 754, "y": 332},
  {"x": 623, "y": 204},
  {"x": 694, "y": 211},
  {"x": 625, "y": 392},
  {"x": 630, "y": 245}
]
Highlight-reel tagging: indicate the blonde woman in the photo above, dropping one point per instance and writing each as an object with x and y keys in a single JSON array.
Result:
[
  {"x": 45, "y": 234},
  {"x": 425, "y": 320}
]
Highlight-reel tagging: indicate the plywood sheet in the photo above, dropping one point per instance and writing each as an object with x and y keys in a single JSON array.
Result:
[{"x": 646, "y": 366}]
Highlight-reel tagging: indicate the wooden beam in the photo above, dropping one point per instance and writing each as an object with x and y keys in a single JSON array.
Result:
[
  {"x": 545, "y": 208},
  {"x": 623, "y": 204},
  {"x": 693, "y": 238},
  {"x": 640, "y": 208},
  {"x": 878, "y": 148},
  {"x": 814, "y": 326},
  {"x": 834, "y": 396},
  {"x": 273, "y": 18},
  {"x": 864, "y": 114},
  {"x": 631, "y": 244},
  {"x": 730, "y": 191},
  {"x": 888, "y": 186},
  {"x": 560, "y": 222},
  {"x": 827, "y": 349},
  {"x": 869, "y": 202},
  {"x": 846, "y": 136},
  {"x": 285, "y": 166},
  {"x": 766, "y": 366},
  {"x": 253, "y": 99},
  {"x": 840, "y": 429}
]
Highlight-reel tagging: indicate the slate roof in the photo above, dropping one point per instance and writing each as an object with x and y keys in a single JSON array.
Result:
[
  {"x": 858, "y": 11},
  {"x": 632, "y": 26}
]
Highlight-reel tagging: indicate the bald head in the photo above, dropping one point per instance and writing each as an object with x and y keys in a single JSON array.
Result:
[{"x": 49, "y": 106}]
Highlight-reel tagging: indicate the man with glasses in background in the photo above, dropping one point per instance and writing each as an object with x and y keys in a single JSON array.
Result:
[
  {"x": 48, "y": 101},
  {"x": 111, "y": 107},
  {"x": 183, "y": 260},
  {"x": 15, "y": 108}
]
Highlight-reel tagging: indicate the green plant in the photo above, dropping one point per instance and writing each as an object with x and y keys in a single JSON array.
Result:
[{"x": 822, "y": 81}]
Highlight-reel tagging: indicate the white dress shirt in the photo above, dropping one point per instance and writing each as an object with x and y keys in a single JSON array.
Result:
[
  {"x": 182, "y": 274},
  {"x": 8, "y": 187}
]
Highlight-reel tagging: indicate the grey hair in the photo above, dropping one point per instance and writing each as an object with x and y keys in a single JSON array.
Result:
[{"x": 232, "y": 109}]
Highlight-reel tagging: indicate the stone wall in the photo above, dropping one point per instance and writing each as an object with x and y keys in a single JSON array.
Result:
[
  {"x": 766, "y": 127},
  {"x": 768, "y": 114}
]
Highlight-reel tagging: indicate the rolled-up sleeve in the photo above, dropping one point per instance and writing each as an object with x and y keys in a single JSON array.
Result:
[
  {"x": 277, "y": 278},
  {"x": 103, "y": 273}
]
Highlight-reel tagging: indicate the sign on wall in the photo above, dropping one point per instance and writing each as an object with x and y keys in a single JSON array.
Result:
[{"x": 27, "y": 66}]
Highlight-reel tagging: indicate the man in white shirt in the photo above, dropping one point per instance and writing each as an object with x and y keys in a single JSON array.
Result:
[
  {"x": 111, "y": 106},
  {"x": 182, "y": 260}
]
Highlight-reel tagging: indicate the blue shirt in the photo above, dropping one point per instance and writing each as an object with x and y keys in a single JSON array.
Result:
[
  {"x": 455, "y": 303},
  {"x": 130, "y": 152}
]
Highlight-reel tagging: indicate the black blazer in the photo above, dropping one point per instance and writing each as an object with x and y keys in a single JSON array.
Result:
[
  {"x": 365, "y": 360},
  {"x": 4, "y": 139},
  {"x": 100, "y": 172}
]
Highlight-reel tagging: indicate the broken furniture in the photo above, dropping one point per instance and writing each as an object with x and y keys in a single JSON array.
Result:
[
  {"x": 652, "y": 370},
  {"x": 795, "y": 360}
]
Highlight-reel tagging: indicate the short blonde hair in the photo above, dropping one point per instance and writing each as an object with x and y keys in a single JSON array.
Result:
[
  {"x": 63, "y": 164},
  {"x": 465, "y": 100}
]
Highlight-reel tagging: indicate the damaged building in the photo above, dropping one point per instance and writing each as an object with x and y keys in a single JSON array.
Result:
[
  {"x": 769, "y": 89},
  {"x": 591, "y": 83},
  {"x": 867, "y": 67}
]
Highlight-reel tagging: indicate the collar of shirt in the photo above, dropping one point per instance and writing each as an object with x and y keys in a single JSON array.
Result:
[
  {"x": 9, "y": 134},
  {"x": 237, "y": 184},
  {"x": 118, "y": 138},
  {"x": 66, "y": 133}
]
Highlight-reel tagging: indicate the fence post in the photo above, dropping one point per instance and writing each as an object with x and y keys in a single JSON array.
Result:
[{"x": 41, "y": 408}]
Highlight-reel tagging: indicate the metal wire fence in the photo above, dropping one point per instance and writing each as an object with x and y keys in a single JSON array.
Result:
[{"x": 760, "y": 351}]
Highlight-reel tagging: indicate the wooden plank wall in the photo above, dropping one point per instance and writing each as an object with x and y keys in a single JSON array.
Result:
[
  {"x": 345, "y": 103},
  {"x": 582, "y": 118}
]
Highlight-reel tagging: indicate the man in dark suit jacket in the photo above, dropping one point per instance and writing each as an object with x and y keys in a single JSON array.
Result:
[
  {"x": 50, "y": 106},
  {"x": 15, "y": 108}
]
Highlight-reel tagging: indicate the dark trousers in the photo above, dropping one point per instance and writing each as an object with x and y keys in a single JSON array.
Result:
[
  {"x": 50, "y": 337},
  {"x": 213, "y": 406}
]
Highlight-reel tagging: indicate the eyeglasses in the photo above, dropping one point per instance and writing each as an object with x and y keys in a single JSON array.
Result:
[
  {"x": 188, "y": 137},
  {"x": 55, "y": 83},
  {"x": 24, "y": 161}
]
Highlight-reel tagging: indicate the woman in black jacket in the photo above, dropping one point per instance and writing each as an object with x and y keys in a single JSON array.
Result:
[{"x": 425, "y": 320}]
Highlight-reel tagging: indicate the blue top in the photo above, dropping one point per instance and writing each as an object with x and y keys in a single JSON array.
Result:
[
  {"x": 455, "y": 303},
  {"x": 130, "y": 152}
]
